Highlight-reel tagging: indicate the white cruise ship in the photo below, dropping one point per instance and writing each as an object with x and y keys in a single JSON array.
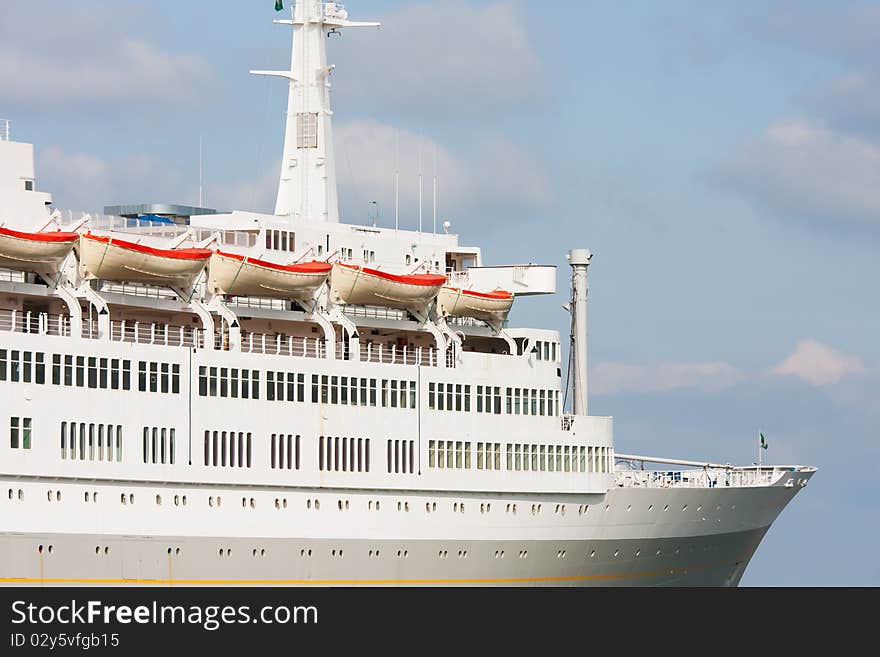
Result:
[{"x": 287, "y": 399}]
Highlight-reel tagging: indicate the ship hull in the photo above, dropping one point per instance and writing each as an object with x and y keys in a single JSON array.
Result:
[{"x": 616, "y": 547}]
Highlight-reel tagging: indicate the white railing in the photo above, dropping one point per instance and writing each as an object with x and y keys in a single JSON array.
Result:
[
  {"x": 705, "y": 478},
  {"x": 275, "y": 345},
  {"x": 393, "y": 355},
  {"x": 158, "y": 334},
  {"x": 4, "y": 130},
  {"x": 17, "y": 321},
  {"x": 12, "y": 276},
  {"x": 375, "y": 311}
]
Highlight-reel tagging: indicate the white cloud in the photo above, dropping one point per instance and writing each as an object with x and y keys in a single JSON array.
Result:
[
  {"x": 494, "y": 173},
  {"x": 83, "y": 181},
  {"x": 447, "y": 58},
  {"x": 612, "y": 378},
  {"x": 55, "y": 55},
  {"x": 802, "y": 168},
  {"x": 818, "y": 364}
]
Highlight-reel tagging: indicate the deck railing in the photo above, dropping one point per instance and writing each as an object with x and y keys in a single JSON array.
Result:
[
  {"x": 17, "y": 321},
  {"x": 705, "y": 478}
]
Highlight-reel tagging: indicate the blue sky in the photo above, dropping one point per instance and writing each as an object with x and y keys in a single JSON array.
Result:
[{"x": 722, "y": 161}]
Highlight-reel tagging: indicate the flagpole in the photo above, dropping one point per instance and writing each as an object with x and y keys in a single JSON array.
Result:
[{"x": 759, "y": 453}]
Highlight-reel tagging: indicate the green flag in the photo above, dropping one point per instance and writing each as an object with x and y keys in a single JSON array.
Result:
[
  {"x": 279, "y": 5},
  {"x": 763, "y": 442}
]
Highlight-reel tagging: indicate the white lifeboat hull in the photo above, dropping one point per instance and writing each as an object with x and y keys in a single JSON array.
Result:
[
  {"x": 487, "y": 306},
  {"x": 108, "y": 258},
  {"x": 236, "y": 275},
  {"x": 360, "y": 286},
  {"x": 35, "y": 252}
]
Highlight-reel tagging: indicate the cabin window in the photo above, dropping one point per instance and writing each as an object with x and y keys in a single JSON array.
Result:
[
  {"x": 28, "y": 185},
  {"x": 20, "y": 432}
]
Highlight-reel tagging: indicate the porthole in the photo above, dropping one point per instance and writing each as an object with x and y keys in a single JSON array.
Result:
[
  {"x": 177, "y": 551},
  {"x": 592, "y": 554},
  {"x": 177, "y": 500},
  {"x": 211, "y": 501},
  {"x": 684, "y": 508},
  {"x": 106, "y": 550},
  {"x": 183, "y": 499},
  {"x": 638, "y": 552},
  {"x": 40, "y": 549},
  {"x": 159, "y": 500},
  {"x": 86, "y": 496},
  {"x": 659, "y": 551},
  {"x": 666, "y": 507},
  {"x": 169, "y": 550},
  {"x": 49, "y": 495},
  {"x": 131, "y": 498},
  {"x": 50, "y": 549},
  {"x": 284, "y": 503},
  {"x": 617, "y": 553},
  {"x": 97, "y": 549},
  {"x": 629, "y": 507},
  {"x": 253, "y": 503},
  {"x": 608, "y": 507},
  {"x": 650, "y": 507}
]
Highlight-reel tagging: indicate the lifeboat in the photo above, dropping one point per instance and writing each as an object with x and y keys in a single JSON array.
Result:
[
  {"x": 360, "y": 286},
  {"x": 237, "y": 275},
  {"x": 112, "y": 259},
  {"x": 35, "y": 252},
  {"x": 487, "y": 306}
]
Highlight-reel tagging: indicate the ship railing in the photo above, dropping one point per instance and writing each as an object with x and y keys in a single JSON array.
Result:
[
  {"x": 705, "y": 478},
  {"x": 380, "y": 312},
  {"x": 277, "y": 345},
  {"x": 157, "y": 334},
  {"x": 394, "y": 355},
  {"x": 12, "y": 276},
  {"x": 18, "y": 321}
]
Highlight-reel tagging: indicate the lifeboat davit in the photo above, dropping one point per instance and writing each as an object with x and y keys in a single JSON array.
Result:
[
  {"x": 487, "y": 306},
  {"x": 360, "y": 286},
  {"x": 35, "y": 252},
  {"x": 112, "y": 259},
  {"x": 237, "y": 275}
]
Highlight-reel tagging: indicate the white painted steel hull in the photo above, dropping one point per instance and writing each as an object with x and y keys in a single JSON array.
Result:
[
  {"x": 146, "y": 543},
  {"x": 112, "y": 262},
  {"x": 234, "y": 277},
  {"x": 458, "y": 303},
  {"x": 31, "y": 255},
  {"x": 354, "y": 286}
]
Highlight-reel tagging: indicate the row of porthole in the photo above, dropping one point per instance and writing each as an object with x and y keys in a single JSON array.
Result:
[
  {"x": 310, "y": 503},
  {"x": 178, "y": 500},
  {"x": 443, "y": 554},
  {"x": 281, "y": 503},
  {"x": 93, "y": 497}
]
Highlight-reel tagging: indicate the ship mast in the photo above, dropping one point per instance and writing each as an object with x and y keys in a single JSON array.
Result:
[
  {"x": 579, "y": 259},
  {"x": 307, "y": 186}
]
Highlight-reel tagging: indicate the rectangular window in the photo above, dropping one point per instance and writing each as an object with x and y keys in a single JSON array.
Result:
[
  {"x": 233, "y": 383},
  {"x": 315, "y": 389},
  {"x": 175, "y": 379},
  {"x": 300, "y": 387},
  {"x": 3, "y": 364},
  {"x": 270, "y": 386},
  {"x": 56, "y": 369},
  {"x": 431, "y": 396},
  {"x": 80, "y": 371},
  {"x": 154, "y": 377},
  {"x": 203, "y": 381},
  {"x": 93, "y": 372},
  {"x": 467, "y": 399},
  {"x": 510, "y": 401},
  {"x": 372, "y": 392},
  {"x": 142, "y": 376},
  {"x": 103, "y": 373},
  {"x": 255, "y": 384},
  {"x": 15, "y": 366},
  {"x": 14, "y": 431},
  {"x": 39, "y": 368},
  {"x": 432, "y": 453},
  {"x": 64, "y": 440},
  {"x": 118, "y": 443},
  {"x": 126, "y": 375},
  {"x": 114, "y": 374}
]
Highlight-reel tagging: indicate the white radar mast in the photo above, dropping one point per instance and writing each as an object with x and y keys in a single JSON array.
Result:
[{"x": 307, "y": 188}]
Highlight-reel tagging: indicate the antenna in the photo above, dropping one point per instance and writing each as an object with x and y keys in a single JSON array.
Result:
[
  {"x": 435, "y": 188},
  {"x": 200, "y": 172},
  {"x": 420, "y": 184},
  {"x": 397, "y": 179}
]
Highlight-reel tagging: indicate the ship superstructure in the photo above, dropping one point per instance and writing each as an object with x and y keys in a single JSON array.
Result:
[{"x": 291, "y": 399}]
